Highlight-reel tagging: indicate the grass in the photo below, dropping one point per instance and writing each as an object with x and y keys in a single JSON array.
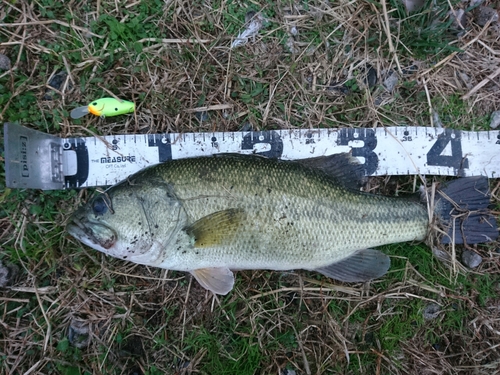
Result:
[
  {"x": 426, "y": 34},
  {"x": 170, "y": 57}
]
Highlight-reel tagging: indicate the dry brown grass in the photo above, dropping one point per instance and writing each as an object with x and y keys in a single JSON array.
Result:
[{"x": 142, "y": 320}]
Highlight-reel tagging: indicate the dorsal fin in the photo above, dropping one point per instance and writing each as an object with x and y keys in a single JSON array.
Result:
[{"x": 345, "y": 168}]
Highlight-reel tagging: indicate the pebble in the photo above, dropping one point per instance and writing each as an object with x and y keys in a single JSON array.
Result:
[
  {"x": 370, "y": 78},
  {"x": 471, "y": 259},
  {"x": 132, "y": 346},
  {"x": 135, "y": 371},
  {"x": 250, "y": 15},
  {"x": 202, "y": 116},
  {"x": 57, "y": 82},
  {"x": 441, "y": 255},
  {"x": 8, "y": 273},
  {"x": 184, "y": 364},
  {"x": 431, "y": 311},
  {"x": 383, "y": 99},
  {"x": 339, "y": 87},
  {"x": 78, "y": 334},
  {"x": 412, "y": 69},
  {"x": 437, "y": 120},
  {"x": 485, "y": 14},
  {"x": 465, "y": 79},
  {"x": 317, "y": 15},
  {"x": 495, "y": 120},
  {"x": 437, "y": 346},
  {"x": 246, "y": 127},
  {"x": 310, "y": 51},
  {"x": 391, "y": 81},
  {"x": 413, "y": 5},
  {"x": 459, "y": 19},
  {"x": 290, "y": 44},
  {"x": 4, "y": 62}
]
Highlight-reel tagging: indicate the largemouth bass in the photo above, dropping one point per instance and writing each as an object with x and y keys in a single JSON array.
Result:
[{"x": 211, "y": 215}]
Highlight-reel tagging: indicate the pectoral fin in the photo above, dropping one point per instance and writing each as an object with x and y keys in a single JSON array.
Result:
[
  {"x": 217, "y": 228},
  {"x": 365, "y": 265},
  {"x": 217, "y": 280}
]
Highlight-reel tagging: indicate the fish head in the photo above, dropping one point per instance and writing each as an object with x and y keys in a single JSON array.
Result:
[{"x": 130, "y": 221}]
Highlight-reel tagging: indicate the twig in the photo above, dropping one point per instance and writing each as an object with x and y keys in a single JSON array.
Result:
[
  {"x": 49, "y": 22},
  {"x": 271, "y": 96},
  {"x": 429, "y": 102},
  {"x": 452, "y": 55},
  {"x": 175, "y": 41},
  {"x": 387, "y": 30},
  {"x": 481, "y": 84},
  {"x": 25, "y": 289},
  {"x": 215, "y": 107},
  {"x": 47, "y": 320}
]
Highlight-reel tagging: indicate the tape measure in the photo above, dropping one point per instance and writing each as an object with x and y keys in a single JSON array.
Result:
[{"x": 37, "y": 160}]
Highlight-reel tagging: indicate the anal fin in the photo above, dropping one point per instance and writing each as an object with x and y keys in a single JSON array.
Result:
[
  {"x": 364, "y": 265},
  {"x": 218, "y": 280}
]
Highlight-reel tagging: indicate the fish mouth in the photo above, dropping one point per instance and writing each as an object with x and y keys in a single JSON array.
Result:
[{"x": 97, "y": 236}]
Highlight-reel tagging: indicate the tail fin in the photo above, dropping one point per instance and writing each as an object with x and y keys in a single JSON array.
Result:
[{"x": 462, "y": 207}]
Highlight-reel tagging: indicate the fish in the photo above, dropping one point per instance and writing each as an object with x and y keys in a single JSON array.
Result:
[{"x": 210, "y": 216}]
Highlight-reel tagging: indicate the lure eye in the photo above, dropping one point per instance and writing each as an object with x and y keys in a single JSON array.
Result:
[{"x": 100, "y": 206}]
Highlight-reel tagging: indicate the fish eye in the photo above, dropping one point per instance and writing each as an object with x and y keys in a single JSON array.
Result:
[{"x": 100, "y": 206}]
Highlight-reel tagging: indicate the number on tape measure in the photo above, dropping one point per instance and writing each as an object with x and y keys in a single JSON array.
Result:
[
  {"x": 164, "y": 146},
  {"x": 369, "y": 140},
  {"x": 447, "y": 151},
  {"x": 272, "y": 138},
  {"x": 78, "y": 148},
  {"x": 407, "y": 137}
]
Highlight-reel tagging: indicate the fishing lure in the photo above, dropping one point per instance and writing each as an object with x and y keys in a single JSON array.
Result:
[{"x": 104, "y": 107}]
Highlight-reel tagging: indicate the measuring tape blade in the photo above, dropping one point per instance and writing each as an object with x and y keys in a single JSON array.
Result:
[{"x": 37, "y": 160}]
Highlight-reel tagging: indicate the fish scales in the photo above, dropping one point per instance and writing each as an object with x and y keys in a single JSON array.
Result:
[{"x": 294, "y": 216}]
